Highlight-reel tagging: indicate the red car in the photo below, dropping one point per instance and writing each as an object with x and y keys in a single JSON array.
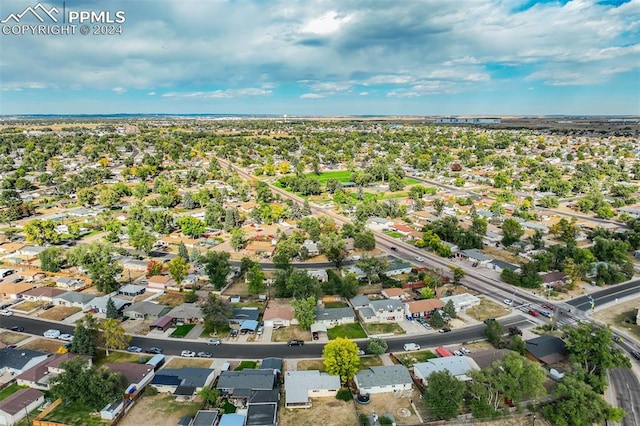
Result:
[{"x": 534, "y": 313}]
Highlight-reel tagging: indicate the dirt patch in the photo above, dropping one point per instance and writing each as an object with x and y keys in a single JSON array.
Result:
[
  {"x": 9, "y": 338},
  {"x": 171, "y": 299},
  {"x": 621, "y": 316},
  {"x": 238, "y": 287},
  {"x": 487, "y": 309},
  {"x": 326, "y": 411},
  {"x": 189, "y": 362},
  {"x": 58, "y": 313},
  {"x": 159, "y": 410},
  {"x": 43, "y": 345},
  {"x": 285, "y": 334},
  {"x": 310, "y": 364},
  {"x": 518, "y": 420},
  {"x": 27, "y": 306},
  {"x": 137, "y": 326},
  {"x": 399, "y": 407}
]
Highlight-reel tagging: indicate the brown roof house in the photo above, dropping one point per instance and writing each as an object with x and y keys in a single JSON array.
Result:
[
  {"x": 422, "y": 308},
  {"x": 546, "y": 349},
  {"x": 138, "y": 375},
  {"x": 40, "y": 375},
  {"x": 45, "y": 294},
  {"x": 158, "y": 283},
  {"x": 278, "y": 316},
  {"x": 15, "y": 407}
]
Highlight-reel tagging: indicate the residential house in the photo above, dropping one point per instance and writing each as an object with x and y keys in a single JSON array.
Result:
[
  {"x": 233, "y": 419},
  {"x": 15, "y": 290},
  {"x": 320, "y": 274},
  {"x": 240, "y": 315},
  {"x": 262, "y": 408},
  {"x": 186, "y": 313},
  {"x": 68, "y": 283},
  {"x": 453, "y": 248},
  {"x": 113, "y": 410},
  {"x": 476, "y": 256},
  {"x": 394, "y": 293},
  {"x": 385, "y": 378},
  {"x": 462, "y": 302},
  {"x": 458, "y": 366},
  {"x": 205, "y": 418},
  {"x": 146, "y": 310},
  {"x": 492, "y": 239},
  {"x": 131, "y": 290},
  {"x": 18, "y": 361},
  {"x": 546, "y": 349},
  {"x": 74, "y": 299},
  {"x": 301, "y": 386},
  {"x": 422, "y": 308},
  {"x": 273, "y": 364},
  {"x": 484, "y": 359},
  {"x": 240, "y": 384},
  {"x": 264, "y": 248},
  {"x": 398, "y": 267},
  {"x": 159, "y": 283},
  {"x": 359, "y": 301},
  {"x": 15, "y": 407},
  {"x": 163, "y": 323},
  {"x": 30, "y": 252},
  {"x": 278, "y": 316},
  {"x": 43, "y": 294},
  {"x": 184, "y": 382},
  {"x": 330, "y": 317},
  {"x": 99, "y": 304},
  {"x": 39, "y": 376},
  {"x": 378, "y": 224},
  {"x": 138, "y": 375},
  {"x": 8, "y": 249},
  {"x": 553, "y": 279},
  {"x": 536, "y": 226},
  {"x": 311, "y": 247},
  {"x": 383, "y": 311},
  {"x": 499, "y": 266},
  {"x": 352, "y": 269}
]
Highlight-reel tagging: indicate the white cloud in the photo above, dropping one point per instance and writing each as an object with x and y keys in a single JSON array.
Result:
[
  {"x": 311, "y": 96},
  {"x": 151, "y": 94},
  {"x": 119, "y": 90},
  {"x": 219, "y": 94}
]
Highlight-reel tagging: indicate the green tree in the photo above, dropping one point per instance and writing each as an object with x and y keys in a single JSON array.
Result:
[
  {"x": 140, "y": 190},
  {"x": 458, "y": 274},
  {"x": 348, "y": 286},
  {"x": 373, "y": 267},
  {"x": 85, "y": 335},
  {"x": 334, "y": 247},
  {"x": 516, "y": 377},
  {"x": 216, "y": 313},
  {"x": 436, "y": 320},
  {"x": 140, "y": 238},
  {"x": 364, "y": 240},
  {"x": 301, "y": 285},
  {"x": 494, "y": 331},
  {"x": 51, "y": 259},
  {"x": 191, "y": 226},
  {"x": 255, "y": 278},
  {"x": 112, "y": 311},
  {"x": 209, "y": 395},
  {"x": 86, "y": 196},
  {"x": 87, "y": 386},
  {"x": 576, "y": 403},
  {"x": 427, "y": 293},
  {"x": 377, "y": 346},
  {"x": 41, "y": 231},
  {"x": 511, "y": 231},
  {"x": 438, "y": 206},
  {"x": 96, "y": 258},
  {"x": 450, "y": 309},
  {"x": 304, "y": 310},
  {"x": 341, "y": 358},
  {"x": 443, "y": 395},
  {"x": 178, "y": 268},
  {"x": 113, "y": 335},
  {"x": 238, "y": 239},
  {"x": 187, "y": 201},
  {"x": 216, "y": 265},
  {"x": 108, "y": 198},
  {"x": 182, "y": 251}
]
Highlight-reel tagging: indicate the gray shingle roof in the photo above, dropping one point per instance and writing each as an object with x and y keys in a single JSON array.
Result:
[
  {"x": 333, "y": 314},
  {"x": 456, "y": 365},
  {"x": 247, "y": 379},
  {"x": 17, "y": 359},
  {"x": 75, "y": 297},
  {"x": 148, "y": 308},
  {"x": 188, "y": 376},
  {"x": 298, "y": 383},
  {"x": 383, "y": 375}
]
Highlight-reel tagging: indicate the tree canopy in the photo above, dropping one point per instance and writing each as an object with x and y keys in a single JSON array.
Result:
[{"x": 341, "y": 358}]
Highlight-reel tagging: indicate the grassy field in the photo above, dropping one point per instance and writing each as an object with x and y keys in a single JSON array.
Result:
[
  {"x": 341, "y": 175},
  {"x": 182, "y": 330},
  {"x": 27, "y": 306},
  {"x": 352, "y": 331},
  {"x": 285, "y": 334},
  {"x": 383, "y": 328},
  {"x": 10, "y": 390},
  {"x": 393, "y": 234},
  {"x": 116, "y": 357},
  {"x": 43, "y": 345},
  {"x": 621, "y": 316},
  {"x": 414, "y": 357},
  {"x": 487, "y": 309},
  {"x": 74, "y": 414},
  {"x": 369, "y": 361},
  {"x": 171, "y": 299},
  {"x": 189, "y": 362},
  {"x": 249, "y": 365}
]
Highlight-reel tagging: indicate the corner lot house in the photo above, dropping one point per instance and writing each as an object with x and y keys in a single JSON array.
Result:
[
  {"x": 462, "y": 302},
  {"x": 159, "y": 283},
  {"x": 40, "y": 375},
  {"x": 546, "y": 349},
  {"x": 131, "y": 290},
  {"x": 183, "y": 383},
  {"x": 301, "y": 386},
  {"x": 15, "y": 407},
  {"x": 386, "y": 378},
  {"x": 44, "y": 294}
]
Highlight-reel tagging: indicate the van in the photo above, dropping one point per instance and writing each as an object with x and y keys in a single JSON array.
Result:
[
  {"x": 411, "y": 347},
  {"x": 225, "y": 367},
  {"x": 546, "y": 313}
]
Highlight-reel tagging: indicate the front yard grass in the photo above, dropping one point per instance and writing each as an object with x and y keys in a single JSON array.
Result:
[
  {"x": 43, "y": 345},
  {"x": 351, "y": 331},
  {"x": 410, "y": 358},
  {"x": 249, "y": 365},
  {"x": 310, "y": 364},
  {"x": 171, "y": 299},
  {"x": 11, "y": 338},
  {"x": 74, "y": 414},
  {"x": 379, "y": 328},
  {"x": 116, "y": 357},
  {"x": 182, "y": 330},
  {"x": 58, "y": 313},
  {"x": 27, "y": 306},
  {"x": 284, "y": 334},
  {"x": 178, "y": 362},
  {"x": 487, "y": 309},
  {"x": 369, "y": 361}
]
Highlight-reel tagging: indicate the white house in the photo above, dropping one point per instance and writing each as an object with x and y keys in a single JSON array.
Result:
[
  {"x": 385, "y": 378},
  {"x": 383, "y": 311},
  {"x": 331, "y": 317},
  {"x": 462, "y": 301},
  {"x": 458, "y": 366},
  {"x": 301, "y": 386}
]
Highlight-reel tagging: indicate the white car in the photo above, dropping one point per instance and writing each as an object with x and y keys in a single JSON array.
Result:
[
  {"x": 465, "y": 350},
  {"x": 188, "y": 354},
  {"x": 52, "y": 333},
  {"x": 457, "y": 353},
  {"x": 66, "y": 337},
  {"x": 214, "y": 342},
  {"x": 411, "y": 347},
  {"x": 508, "y": 302},
  {"x": 419, "y": 259},
  {"x": 6, "y": 312}
]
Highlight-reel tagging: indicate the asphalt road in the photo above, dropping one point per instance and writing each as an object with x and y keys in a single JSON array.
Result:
[
  {"x": 626, "y": 386},
  {"x": 607, "y": 295},
  {"x": 231, "y": 350}
]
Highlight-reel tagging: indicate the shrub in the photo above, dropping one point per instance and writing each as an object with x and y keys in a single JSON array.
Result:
[
  {"x": 344, "y": 395},
  {"x": 151, "y": 391},
  {"x": 384, "y": 420},
  {"x": 364, "y": 420}
]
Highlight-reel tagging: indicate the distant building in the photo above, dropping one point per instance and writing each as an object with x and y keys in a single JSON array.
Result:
[{"x": 468, "y": 120}]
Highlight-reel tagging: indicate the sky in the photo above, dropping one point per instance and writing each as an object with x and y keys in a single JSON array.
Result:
[{"x": 324, "y": 57}]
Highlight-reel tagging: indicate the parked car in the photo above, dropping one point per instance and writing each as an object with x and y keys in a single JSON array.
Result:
[
  {"x": 444, "y": 330},
  {"x": 419, "y": 259},
  {"x": 47, "y": 307},
  {"x": 17, "y": 328},
  {"x": 233, "y": 333},
  {"x": 18, "y": 280},
  {"x": 6, "y": 313},
  {"x": 295, "y": 342},
  {"x": 214, "y": 342},
  {"x": 361, "y": 352},
  {"x": 457, "y": 353},
  {"x": 66, "y": 337},
  {"x": 465, "y": 350},
  {"x": 52, "y": 333},
  {"x": 260, "y": 330},
  {"x": 315, "y": 335},
  {"x": 154, "y": 350},
  {"x": 534, "y": 313},
  {"x": 411, "y": 347},
  {"x": 204, "y": 354},
  {"x": 134, "y": 349},
  {"x": 188, "y": 354}
]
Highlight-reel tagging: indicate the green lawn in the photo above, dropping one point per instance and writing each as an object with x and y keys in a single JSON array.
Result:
[
  {"x": 410, "y": 181},
  {"x": 182, "y": 330},
  {"x": 351, "y": 331},
  {"x": 341, "y": 175},
  {"x": 369, "y": 361},
  {"x": 10, "y": 390},
  {"x": 393, "y": 234},
  {"x": 335, "y": 305},
  {"x": 387, "y": 328},
  {"x": 120, "y": 357},
  {"x": 74, "y": 414},
  {"x": 414, "y": 357},
  {"x": 248, "y": 365}
]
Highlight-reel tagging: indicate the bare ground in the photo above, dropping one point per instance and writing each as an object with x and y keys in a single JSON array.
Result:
[
  {"x": 285, "y": 334},
  {"x": 172, "y": 299},
  {"x": 189, "y": 362},
  {"x": 158, "y": 410},
  {"x": 618, "y": 313},
  {"x": 399, "y": 407},
  {"x": 44, "y": 345},
  {"x": 325, "y": 411},
  {"x": 58, "y": 313},
  {"x": 487, "y": 309},
  {"x": 10, "y": 338}
]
